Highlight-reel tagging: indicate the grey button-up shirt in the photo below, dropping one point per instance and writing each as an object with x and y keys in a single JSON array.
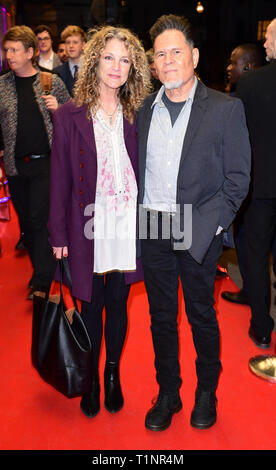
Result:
[{"x": 164, "y": 149}]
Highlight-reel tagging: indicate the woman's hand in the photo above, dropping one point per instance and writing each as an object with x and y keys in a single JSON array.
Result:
[{"x": 59, "y": 251}]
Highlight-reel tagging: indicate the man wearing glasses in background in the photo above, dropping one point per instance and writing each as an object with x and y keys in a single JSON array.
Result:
[{"x": 47, "y": 58}]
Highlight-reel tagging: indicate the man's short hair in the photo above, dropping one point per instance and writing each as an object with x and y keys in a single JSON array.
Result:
[
  {"x": 43, "y": 27},
  {"x": 73, "y": 30},
  {"x": 179, "y": 23},
  {"x": 23, "y": 34},
  {"x": 253, "y": 54}
]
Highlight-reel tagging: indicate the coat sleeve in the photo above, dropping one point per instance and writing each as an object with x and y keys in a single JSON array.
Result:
[
  {"x": 60, "y": 181},
  {"x": 60, "y": 90},
  {"x": 236, "y": 162}
]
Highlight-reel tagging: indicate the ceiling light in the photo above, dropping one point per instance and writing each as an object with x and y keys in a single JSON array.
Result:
[{"x": 199, "y": 7}]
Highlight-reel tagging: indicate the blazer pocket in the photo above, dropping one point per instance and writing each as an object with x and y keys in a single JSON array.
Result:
[{"x": 210, "y": 205}]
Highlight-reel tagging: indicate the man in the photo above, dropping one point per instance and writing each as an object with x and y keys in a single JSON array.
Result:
[
  {"x": 243, "y": 59},
  {"x": 194, "y": 150},
  {"x": 258, "y": 93},
  {"x": 26, "y": 121},
  {"x": 74, "y": 38},
  {"x": 47, "y": 58},
  {"x": 61, "y": 52}
]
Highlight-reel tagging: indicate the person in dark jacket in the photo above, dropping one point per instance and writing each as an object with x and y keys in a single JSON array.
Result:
[
  {"x": 194, "y": 171},
  {"x": 74, "y": 38},
  {"x": 244, "y": 58},
  {"x": 257, "y": 90}
]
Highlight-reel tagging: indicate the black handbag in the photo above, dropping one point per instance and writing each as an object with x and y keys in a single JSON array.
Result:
[{"x": 61, "y": 348}]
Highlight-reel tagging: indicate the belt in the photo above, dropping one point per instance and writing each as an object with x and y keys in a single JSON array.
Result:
[
  {"x": 28, "y": 158},
  {"x": 159, "y": 214}
]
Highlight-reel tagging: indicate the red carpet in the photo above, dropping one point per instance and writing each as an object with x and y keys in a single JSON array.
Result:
[{"x": 33, "y": 416}]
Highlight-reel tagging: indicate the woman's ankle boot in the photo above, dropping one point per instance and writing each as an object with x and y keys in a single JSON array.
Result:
[
  {"x": 114, "y": 399},
  {"x": 90, "y": 402}
]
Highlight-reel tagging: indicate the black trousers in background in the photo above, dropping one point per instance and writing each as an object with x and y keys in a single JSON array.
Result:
[
  {"x": 260, "y": 227},
  {"x": 30, "y": 196},
  {"x": 240, "y": 245},
  {"x": 109, "y": 291},
  {"x": 162, "y": 268}
]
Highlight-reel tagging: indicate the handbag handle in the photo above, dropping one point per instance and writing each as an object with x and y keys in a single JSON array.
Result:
[{"x": 64, "y": 267}]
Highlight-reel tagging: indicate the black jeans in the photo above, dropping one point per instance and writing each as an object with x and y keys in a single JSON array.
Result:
[
  {"x": 260, "y": 226},
  {"x": 30, "y": 196},
  {"x": 109, "y": 291},
  {"x": 162, "y": 268}
]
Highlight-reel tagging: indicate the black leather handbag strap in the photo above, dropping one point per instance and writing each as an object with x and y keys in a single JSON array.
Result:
[{"x": 64, "y": 268}]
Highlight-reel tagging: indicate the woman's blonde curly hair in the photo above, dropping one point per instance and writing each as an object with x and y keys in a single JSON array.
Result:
[{"x": 133, "y": 92}]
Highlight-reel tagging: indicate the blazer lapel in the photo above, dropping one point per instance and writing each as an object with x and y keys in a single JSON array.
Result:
[
  {"x": 69, "y": 77},
  {"x": 197, "y": 112},
  {"x": 145, "y": 126},
  {"x": 144, "y": 120},
  {"x": 84, "y": 125}
]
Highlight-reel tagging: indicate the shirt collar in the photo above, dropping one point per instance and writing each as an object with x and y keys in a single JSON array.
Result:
[
  {"x": 72, "y": 65},
  {"x": 51, "y": 58},
  {"x": 158, "y": 99}
]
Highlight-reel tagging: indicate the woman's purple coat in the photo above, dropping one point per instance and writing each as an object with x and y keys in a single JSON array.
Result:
[{"x": 73, "y": 188}]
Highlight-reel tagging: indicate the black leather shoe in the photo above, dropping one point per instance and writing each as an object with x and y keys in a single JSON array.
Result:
[
  {"x": 114, "y": 399},
  {"x": 235, "y": 297},
  {"x": 159, "y": 417},
  {"x": 262, "y": 342},
  {"x": 90, "y": 402},
  {"x": 204, "y": 413}
]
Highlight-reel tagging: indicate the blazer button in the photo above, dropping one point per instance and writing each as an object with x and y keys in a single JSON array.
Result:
[
  {"x": 81, "y": 165},
  {"x": 81, "y": 151},
  {"x": 81, "y": 204},
  {"x": 81, "y": 178},
  {"x": 81, "y": 192}
]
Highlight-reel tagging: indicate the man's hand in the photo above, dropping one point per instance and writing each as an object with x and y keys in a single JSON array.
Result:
[{"x": 50, "y": 102}]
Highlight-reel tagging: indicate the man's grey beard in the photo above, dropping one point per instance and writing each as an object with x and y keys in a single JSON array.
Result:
[{"x": 173, "y": 85}]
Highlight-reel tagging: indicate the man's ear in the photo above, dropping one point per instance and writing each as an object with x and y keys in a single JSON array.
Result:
[
  {"x": 30, "y": 52},
  {"x": 195, "y": 54}
]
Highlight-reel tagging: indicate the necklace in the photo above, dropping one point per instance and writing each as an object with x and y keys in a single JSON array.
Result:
[{"x": 110, "y": 116}]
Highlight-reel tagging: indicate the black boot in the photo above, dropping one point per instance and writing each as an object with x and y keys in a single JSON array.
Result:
[
  {"x": 90, "y": 402},
  {"x": 204, "y": 413},
  {"x": 114, "y": 399},
  {"x": 159, "y": 417}
]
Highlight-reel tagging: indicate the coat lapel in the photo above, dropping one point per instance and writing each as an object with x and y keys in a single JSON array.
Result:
[
  {"x": 144, "y": 121},
  {"x": 197, "y": 112},
  {"x": 69, "y": 77},
  {"x": 145, "y": 126},
  {"x": 84, "y": 125},
  {"x": 130, "y": 138}
]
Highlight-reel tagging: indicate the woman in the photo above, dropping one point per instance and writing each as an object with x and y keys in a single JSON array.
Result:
[{"x": 93, "y": 185}]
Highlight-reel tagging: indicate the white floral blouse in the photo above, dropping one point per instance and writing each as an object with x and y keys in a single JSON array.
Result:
[{"x": 116, "y": 199}]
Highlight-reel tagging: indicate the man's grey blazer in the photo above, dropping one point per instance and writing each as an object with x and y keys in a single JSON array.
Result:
[{"x": 214, "y": 170}]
